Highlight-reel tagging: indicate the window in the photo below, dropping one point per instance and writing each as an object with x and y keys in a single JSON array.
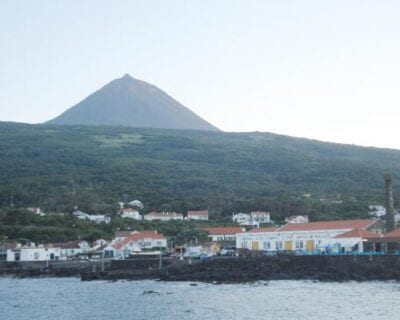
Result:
[
  {"x": 267, "y": 245},
  {"x": 243, "y": 244},
  {"x": 299, "y": 244},
  {"x": 36, "y": 255},
  {"x": 279, "y": 245}
]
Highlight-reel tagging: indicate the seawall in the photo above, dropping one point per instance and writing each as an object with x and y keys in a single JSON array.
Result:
[{"x": 249, "y": 269}]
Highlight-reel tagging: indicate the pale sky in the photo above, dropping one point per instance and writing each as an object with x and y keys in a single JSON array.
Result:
[{"x": 327, "y": 70}]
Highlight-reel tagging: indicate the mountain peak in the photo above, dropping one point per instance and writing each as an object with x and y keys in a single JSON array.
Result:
[
  {"x": 127, "y": 76},
  {"x": 135, "y": 104}
]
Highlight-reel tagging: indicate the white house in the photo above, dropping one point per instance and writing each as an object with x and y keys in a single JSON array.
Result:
[
  {"x": 33, "y": 253},
  {"x": 261, "y": 216},
  {"x": 303, "y": 236},
  {"x": 297, "y": 219},
  {"x": 138, "y": 241},
  {"x": 72, "y": 248},
  {"x": 201, "y": 215},
  {"x": 136, "y": 204},
  {"x": 97, "y": 218},
  {"x": 240, "y": 217},
  {"x": 223, "y": 233},
  {"x": 131, "y": 213},
  {"x": 376, "y": 210},
  {"x": 163, "y": 216},
  {"x": 380, "y": 211}
]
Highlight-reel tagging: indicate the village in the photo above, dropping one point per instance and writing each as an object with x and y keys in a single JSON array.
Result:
[{"x": 298, "y": 235}]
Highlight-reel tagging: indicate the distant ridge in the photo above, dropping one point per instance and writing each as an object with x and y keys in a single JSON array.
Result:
[{"x": 130, "y": 102}]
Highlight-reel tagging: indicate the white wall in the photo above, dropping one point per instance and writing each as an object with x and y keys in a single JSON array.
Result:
[
  {"x": 245, "y": 240},
  {"x": 34, "y": 254}
]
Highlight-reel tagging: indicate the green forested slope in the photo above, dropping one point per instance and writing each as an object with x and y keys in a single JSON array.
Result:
[{"x": 59, "y": 167}]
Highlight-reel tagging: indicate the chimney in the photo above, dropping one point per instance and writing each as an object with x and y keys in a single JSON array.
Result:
[{"x": 389, "y": 218}]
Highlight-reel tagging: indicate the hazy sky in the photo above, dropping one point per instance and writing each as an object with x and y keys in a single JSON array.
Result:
[{"x": 328, "y": 70}]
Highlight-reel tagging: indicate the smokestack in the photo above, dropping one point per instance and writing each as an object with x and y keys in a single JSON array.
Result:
[{"x": 389, "y": 203}]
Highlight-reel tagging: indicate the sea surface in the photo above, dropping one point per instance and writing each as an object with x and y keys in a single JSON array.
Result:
[{"x": 69, "y": 298}]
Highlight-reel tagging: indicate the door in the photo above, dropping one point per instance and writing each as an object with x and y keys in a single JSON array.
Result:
[
  {"x": 310, "y": 245},
  {"x": 288, "y": 245},
  {"x": 254, "y": 245}
]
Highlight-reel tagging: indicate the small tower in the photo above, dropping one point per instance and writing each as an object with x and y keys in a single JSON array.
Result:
[{"x": 389, "y": 218}]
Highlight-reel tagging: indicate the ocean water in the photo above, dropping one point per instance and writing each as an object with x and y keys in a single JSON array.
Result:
[{"x": 69, "y": 298}]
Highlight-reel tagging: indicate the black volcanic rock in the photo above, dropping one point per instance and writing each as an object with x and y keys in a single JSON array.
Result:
[{"x": 135, "y": 103}]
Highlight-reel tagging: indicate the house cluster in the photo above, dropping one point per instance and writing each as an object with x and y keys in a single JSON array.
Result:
[
  {"x": 49, "y": 252},
  {"x": 133, "y": 213},
  {"x": 339, "y": 236},
  {"x": 252, "y": 219},
  {"x": 124, "y": 244},
  {"x": 128, "y": 243},
  {"x": 97, "y": 218},
  {"x": 320, "y": 237}
]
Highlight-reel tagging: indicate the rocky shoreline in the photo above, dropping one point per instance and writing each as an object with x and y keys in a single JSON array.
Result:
[
  {"x": 250, "y": 269},
  {"x": 228, "y": 270}
]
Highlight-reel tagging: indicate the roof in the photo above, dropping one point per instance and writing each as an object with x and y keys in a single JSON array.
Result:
[
  {"x": 264, "y": 213},
  {"x": 261, "y": 230},
  {"x": 140, "y": 236},
  {"x": 198, "y": 213},
  {"x": 67, "y": 245},
  {"x": 222, "y": 230},
  {"x": 393, "y": 234},
  {"x": 241, "y": 214},
  {"x": 296, "y": 216},
  {"x": 357, "y": 233},
  {"x": 165, "y": 214},
  {"x": 121, "y": 234},
  {"x": 6, "y": 246},
  {"x": 129, "y": 210},
  {"x": 329, "y": 225}
]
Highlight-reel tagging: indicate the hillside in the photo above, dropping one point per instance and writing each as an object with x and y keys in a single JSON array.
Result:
[
  {"x": 134, "y": 103},
  {"x": 59, "y": 167}
]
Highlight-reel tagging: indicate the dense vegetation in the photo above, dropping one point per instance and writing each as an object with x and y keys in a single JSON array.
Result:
[{"x": 58, "y": 168}]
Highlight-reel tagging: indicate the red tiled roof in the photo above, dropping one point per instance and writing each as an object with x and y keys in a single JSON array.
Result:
[
  {"x": 140, "y": 235},
  {"x": 121, "y": 234},
  {"x": 223, "y": 230},
  {"x": 198, "y": 213},
  {"x": 261, "y": 230},
  {"x": 357, "y": 233},
  {"x": 393, "y": 234},
  {"x": 328, "y": 225}
]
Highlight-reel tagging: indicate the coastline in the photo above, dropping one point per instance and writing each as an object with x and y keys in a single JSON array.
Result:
[{"x": 226, "y": 270}]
